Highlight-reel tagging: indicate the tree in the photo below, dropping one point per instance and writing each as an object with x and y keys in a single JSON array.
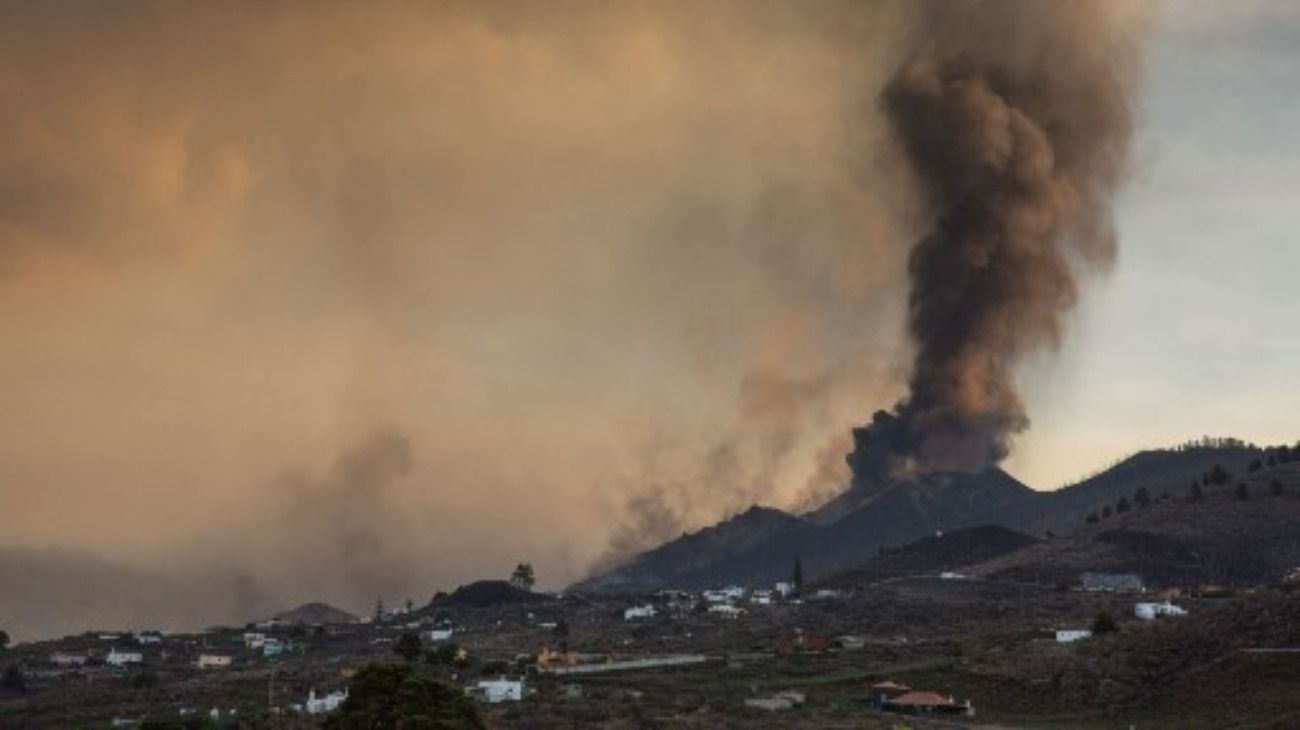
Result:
[
  {"x": 379, "y": 609},
  {"x": 1255, "y": 465},
  {"x": 561, "y": 633},
  {"x": 1104, "y": 623},
  {"x": 1106, "y": 512},
  {"x": 1092, "y": 518},
  {"x": 4, "y": 640},
  {"x": 523, "y": 577},
  {"x": 1197, "y": 493},
  {"x": 392, "y": 696},
  {"x": 408, "y": 646},
  {"x": 1275, "y": 488},
  {"x": 798, "y": 577},
  {"x": 1142, "y": 497},
  {"x": 1243, "y": 493},
  {"x": 14, "y": 680},
  {"x": 1219, "y": 475},
  {"x": 444, "y": 654}
]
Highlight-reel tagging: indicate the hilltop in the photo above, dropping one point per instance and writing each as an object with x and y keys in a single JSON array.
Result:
[{"x": 761, "y": 544}]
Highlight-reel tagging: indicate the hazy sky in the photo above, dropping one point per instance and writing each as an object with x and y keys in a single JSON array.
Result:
[{"x": 368, "y": 299}]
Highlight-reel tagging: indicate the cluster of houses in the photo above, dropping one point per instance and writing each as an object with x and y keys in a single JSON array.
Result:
[{"x": 729, "y": 602}]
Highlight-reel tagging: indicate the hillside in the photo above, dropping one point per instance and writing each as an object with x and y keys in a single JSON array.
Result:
[
  {"x": 760, "y": 545},
  {"x": 949, "y": 551},
  {"x": 1220, "y": 539}
]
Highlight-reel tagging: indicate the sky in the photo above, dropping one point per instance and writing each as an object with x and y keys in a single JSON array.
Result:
[{"x": 332, "y": 302}]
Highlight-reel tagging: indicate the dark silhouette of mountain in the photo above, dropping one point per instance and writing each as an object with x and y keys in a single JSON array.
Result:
[
  {"x": 316, "y": 614},
  {"x": 761, "y": 544}
]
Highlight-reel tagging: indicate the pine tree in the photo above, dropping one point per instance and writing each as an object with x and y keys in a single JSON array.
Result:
[{"x": 798, "y": 577}]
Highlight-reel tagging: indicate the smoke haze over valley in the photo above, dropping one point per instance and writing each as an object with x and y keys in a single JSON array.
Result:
[{"x": 335, "y": 301}]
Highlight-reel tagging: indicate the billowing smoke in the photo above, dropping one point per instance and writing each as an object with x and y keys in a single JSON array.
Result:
[{"x": 1014, "y": 119}]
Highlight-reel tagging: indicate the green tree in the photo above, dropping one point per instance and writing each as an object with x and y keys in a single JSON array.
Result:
[
  {"x": 1122, "y": 506},
  {"x": 408, "y": 646},
  {"x": 379, "y": 609},
  {"x": 523, "y": 577},
  {"x": 444, "y": 654},
  {"x": 1092, "y": 518},
  {"x": 1104, "y": 623},
  {"x": 1106, "y": 512},
  {"x": 399, "y": 697},
  {"x": 1197, "y": 493},
  {"x": 798, "y": 577},
  {"x": 561, "y": 633}
]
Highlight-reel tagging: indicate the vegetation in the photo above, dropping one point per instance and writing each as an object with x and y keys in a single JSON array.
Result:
[
  {"x": 408, "y": 646},
  {"x": 1243, "y": 492},
  {"x": 1104, "y": 623},
  {"x": 798, "y": 577},
  {"x": 1142, "y": 497},
  {"x": 1197, "y": 492},
  {"x": 14, "y": 680},
  {"x": 393, "y": 696},
  {"x": 523, "y": 576},
  {"x": 4, "y": 639}
]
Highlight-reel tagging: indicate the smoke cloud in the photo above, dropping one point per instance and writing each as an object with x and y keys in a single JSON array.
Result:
[{"x": 1014, "y": 120}]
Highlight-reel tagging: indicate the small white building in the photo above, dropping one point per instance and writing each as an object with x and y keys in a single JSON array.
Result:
[
  {"x": 148, "y": 637},
  {"x": 1069, "y": 636},
  {"x": 726, "y": 610},
  {"x": 1153, "y": 611},
  {"x": 213, "y": 661},
  {"x": 441, "y": 633},
  {"x": 761, "y": 598},
  {"x": 321, "y": 705},
  {"x": 122, "y": 658},
  {"x": 272, "y": 647},
  {"x": 493, "y": 691},
  {"x": 950, "y": 575},
  {"x": 65, "y": 659},
  {"x": 785, "y": 588},
  {"x": 637, "y": 612},
  {"x": 254, "y": 639}
]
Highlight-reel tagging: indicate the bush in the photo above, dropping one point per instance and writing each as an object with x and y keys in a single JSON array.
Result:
[
  {"x": 392, "y": 696},
  {"x": 1104, "y": 623},
  {"x": 408, "y": 646}
]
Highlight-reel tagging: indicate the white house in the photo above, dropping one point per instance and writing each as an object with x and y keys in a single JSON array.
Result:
[
  {"x": 636, "y": 612},
  {"x": 65, "y": 659},
  {"x": 726, "y": 610},
  {"x": 122, "y": 658},
  {"x": 1067, "y": 636},
  {"x": 272, "y": 647},
  {"x": 1152, "y": 611},
  {"x": 442, "y": 633},
  {"x": 213, "y": 661},
  {"x": 499, "y": 690},
  {"x": 149, "y": 637},
  {"x": 951, "y": 575},
  {"x": 785, "y": 588},
  {"x": 254, "y": 640},
  {"x": 321, "y": 705},
  {"x": 761, "y": 597}
]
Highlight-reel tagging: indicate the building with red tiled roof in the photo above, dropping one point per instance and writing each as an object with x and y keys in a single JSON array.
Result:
[{"x": 924, "y": 702}]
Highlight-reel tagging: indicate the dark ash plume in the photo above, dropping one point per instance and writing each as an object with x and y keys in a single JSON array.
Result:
[{"x": 1014, "y": 118}]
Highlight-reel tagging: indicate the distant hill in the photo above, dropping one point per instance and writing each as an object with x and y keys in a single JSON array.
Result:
[
  {"x": 316, "y": 614},
  {"x": 761, "y": 544}
]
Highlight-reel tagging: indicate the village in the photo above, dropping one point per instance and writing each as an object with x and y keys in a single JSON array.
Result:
[{"x": 943, "y": 647}]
